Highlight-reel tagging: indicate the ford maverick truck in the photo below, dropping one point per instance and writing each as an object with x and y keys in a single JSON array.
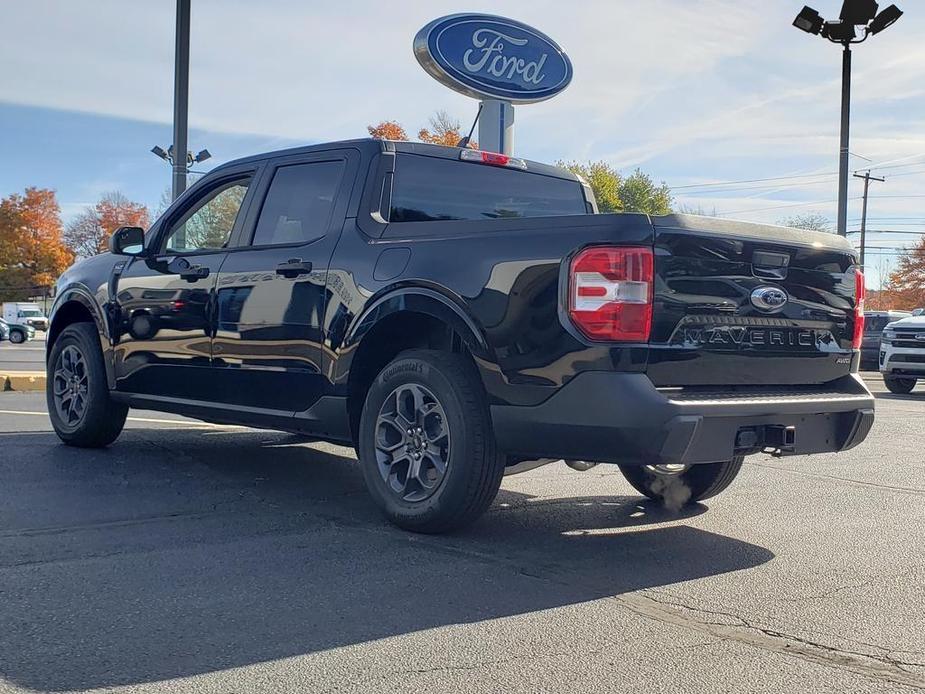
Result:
[{"x": 455, "y": 315}]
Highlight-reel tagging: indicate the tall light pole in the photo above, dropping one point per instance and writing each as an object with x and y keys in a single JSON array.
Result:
[
  {"x": 181, "y": 98},
  {"x": 854, "y": 14},
  {"x": 177, "y": 155}
]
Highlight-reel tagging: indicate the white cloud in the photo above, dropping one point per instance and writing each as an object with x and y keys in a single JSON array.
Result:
[{"x": 713, "y": 89}]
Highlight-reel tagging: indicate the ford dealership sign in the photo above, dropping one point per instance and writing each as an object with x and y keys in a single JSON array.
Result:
[{"x": 489, "y": 57}]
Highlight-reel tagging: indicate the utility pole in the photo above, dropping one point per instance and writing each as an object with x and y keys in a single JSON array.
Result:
[
  {"x": 181, "y": 98},
  {"x": 867, "y": 179}
]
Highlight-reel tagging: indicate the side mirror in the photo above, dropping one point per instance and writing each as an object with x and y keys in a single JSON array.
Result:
[{"x": 127, "y": 241}]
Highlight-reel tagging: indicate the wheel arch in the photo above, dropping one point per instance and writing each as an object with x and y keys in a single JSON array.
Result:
[
  {"x": 403, "y": 319},
  {"x": 76, "y": 305}
]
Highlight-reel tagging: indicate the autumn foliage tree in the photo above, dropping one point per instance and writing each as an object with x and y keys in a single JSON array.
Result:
[
  {"x": 88, "y": 233},
  {"x": 32, "y": 250},
  {"x": 906, "y": 287},
  {"x": 443, "y": 130}
]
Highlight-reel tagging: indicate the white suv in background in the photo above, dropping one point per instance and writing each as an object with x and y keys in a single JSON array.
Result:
[{"x": 902, "y": 354}]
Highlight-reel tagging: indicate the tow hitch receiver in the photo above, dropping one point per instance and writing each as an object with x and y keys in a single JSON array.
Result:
[{"x": 780, "y": 438}]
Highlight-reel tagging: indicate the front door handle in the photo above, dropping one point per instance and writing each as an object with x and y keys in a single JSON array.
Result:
[
  {"x": 186, "y": 270},
  {"x": 194, "y": 272},
  {"x": 293, "y": 268}
]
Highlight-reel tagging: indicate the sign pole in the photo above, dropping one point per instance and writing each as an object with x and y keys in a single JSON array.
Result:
[{"x": 496, "y": 127}]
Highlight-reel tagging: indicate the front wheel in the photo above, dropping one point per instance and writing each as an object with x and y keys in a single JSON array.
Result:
[
  {"x": 426, "y": 445},
  {"x": 898, "y": 385},
  {"x": 17, "y": 337},
  {"x": 79, "y": 406},
  {"x": 679, "y": 485}
]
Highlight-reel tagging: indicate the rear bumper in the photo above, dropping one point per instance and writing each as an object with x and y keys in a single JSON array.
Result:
[{"x": 624, "y": 418}]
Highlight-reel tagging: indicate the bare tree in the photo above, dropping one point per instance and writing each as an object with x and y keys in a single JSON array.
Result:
[
  {"x": 88, "y": 233},
  {"x": 812, "y": 221}
]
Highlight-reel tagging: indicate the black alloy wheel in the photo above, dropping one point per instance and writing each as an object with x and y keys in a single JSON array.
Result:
[
  {"x": 412, "y": 442},
  {"x": 70, "y": 385}
]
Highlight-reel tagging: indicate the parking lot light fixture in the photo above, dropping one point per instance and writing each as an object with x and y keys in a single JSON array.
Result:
[
  {"x": 885, "y": 19},
  {"x": 809, "y": 21},
  {"x": 858, "y": 12},
  {"x": 854, "y": 14},
  {"x": 839, "y": 31}
]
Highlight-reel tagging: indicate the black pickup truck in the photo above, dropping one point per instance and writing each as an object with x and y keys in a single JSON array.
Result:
[{"x": 455, "y": 315}]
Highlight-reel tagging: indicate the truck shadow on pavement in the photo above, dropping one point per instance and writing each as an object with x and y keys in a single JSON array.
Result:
[{"x": 181, "y": 552}]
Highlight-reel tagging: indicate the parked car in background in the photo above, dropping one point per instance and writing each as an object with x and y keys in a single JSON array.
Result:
[
  {"x": 902, "y": 354},
  {"x": 15, "y": 332},
  {"x": 874, "y": 323},
  {"x": 24, "y": 313}
]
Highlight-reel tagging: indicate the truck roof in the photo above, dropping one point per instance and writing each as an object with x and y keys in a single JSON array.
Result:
[{"x": 373, "y": 146}]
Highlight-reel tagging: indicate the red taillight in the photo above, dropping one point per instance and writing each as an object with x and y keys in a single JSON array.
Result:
[
  {"x": 610, "y": 293},
  {"x": 859, "y": 292},
  {"x": 491, "y": 158}
]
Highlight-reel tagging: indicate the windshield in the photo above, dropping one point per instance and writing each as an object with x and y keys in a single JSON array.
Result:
[{"x": 30, "y": 313}]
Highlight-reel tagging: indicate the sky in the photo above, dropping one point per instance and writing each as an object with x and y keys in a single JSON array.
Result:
[{"x": 694, "y": 92}]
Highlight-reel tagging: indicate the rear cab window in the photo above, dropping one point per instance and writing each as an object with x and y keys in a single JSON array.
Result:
[{"x": 430, "y": 189}]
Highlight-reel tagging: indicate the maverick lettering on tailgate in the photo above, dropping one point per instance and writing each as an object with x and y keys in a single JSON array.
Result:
[{"x": 743, "y": 337}]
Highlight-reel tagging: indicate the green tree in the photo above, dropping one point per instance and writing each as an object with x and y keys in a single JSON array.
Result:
[
  {"x": 604, "y": 181},
  {"x": 616, "y": 193},
  {"x": 639, "y": 193}
]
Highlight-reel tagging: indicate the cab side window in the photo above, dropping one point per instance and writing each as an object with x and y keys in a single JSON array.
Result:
[
  {"x": 298, "y": 206},
  {"x": 208, "y": 225}
]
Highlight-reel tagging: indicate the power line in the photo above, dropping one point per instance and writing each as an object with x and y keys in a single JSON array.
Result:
[
  {"x": 887, "y": 165},
  {"x": 781, "y": 207},
  {"x": 770, "y": 188},
  {"x": 752, "y": 180}
]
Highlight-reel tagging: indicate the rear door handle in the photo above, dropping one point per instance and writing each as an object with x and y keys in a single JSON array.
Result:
[{"x": 293, "y": 268}]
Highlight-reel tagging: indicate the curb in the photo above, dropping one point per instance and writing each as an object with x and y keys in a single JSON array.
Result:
[{"x": 22, "y": 381}]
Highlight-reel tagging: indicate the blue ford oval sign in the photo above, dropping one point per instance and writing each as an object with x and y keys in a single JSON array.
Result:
[{"x": 483, "y": 56}]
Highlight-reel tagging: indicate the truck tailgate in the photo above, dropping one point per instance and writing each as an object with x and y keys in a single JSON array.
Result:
[{"x": 718, "y": 319}]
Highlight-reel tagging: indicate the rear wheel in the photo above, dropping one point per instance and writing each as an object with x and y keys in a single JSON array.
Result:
[
  {"x": 426, "y": 446},
  {"x": 79, "y": 406},
  {"x": 678, "y": 485},
  {"x": 17, "y": 336},
  {"x": 899, "y": 385}
]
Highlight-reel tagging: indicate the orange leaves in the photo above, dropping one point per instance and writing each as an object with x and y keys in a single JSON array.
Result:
[
  {"x": 443, "y": 130},
  {"x": 906, "y": 288},
  {"x": 32, "y": 250},
  {"x": 387, "y": 130},
  {"x": 88, "y": 233}
]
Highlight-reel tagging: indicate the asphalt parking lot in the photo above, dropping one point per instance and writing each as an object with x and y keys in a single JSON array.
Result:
[
  {"x": 28, "y": 356},
  {"x": 196, "y": 558}
]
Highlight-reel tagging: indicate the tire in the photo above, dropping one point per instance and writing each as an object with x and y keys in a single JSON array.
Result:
[
  {"x": 99, "y": 420},
  {"x": 442, "y": 393},
  {"x": 17, "y": 337},
  {"x": 899, "y": 385},
  {"x": 676, "y": 489}
]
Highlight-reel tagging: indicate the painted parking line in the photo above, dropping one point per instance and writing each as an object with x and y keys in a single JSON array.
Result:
[{"x": 146, "y": 420}]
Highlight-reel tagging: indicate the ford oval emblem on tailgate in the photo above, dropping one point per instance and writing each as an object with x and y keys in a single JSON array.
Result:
[{"x": 769, "y": 299}]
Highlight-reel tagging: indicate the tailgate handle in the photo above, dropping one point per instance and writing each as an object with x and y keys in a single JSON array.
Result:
[{"x": 770, "y": 265}]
